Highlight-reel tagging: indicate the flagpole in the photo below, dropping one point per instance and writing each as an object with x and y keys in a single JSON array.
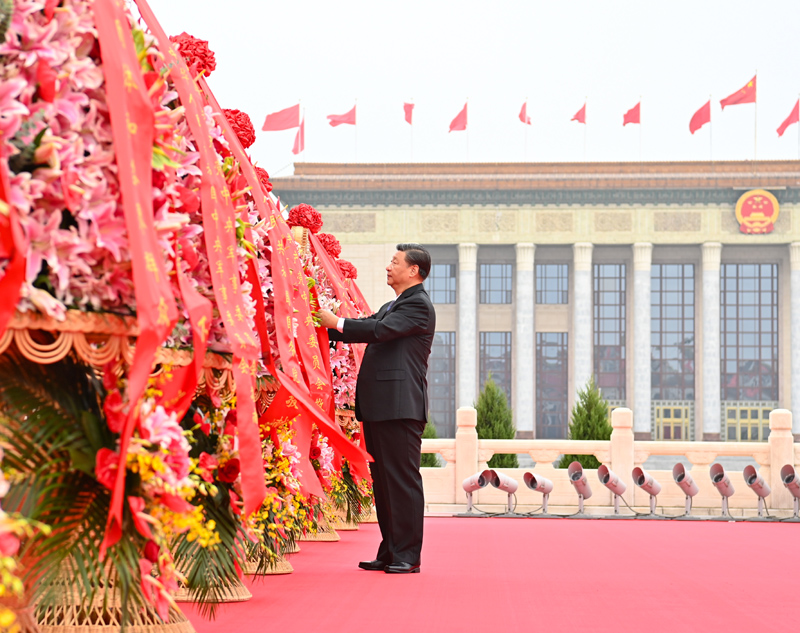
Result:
[
  {"x": 411, "y": 125},
  {"x": 640, "y": 128},
  {"x": 356, "y": 126},
  {"x": 710, "y": 133},
  {"x": 585, "y": 125},
  {"x": 466, "y": 104},
  {"x": 526, "y": 129},
  {"x": 755, "y": 125}
]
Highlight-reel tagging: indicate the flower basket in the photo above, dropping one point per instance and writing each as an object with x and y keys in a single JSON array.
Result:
[
  {"x": 280, "y": 567},
  {"x": 347, "y": 420},
  {"x": 325, "y": 534},
  {"x": 291, "y": 548},
  {"x": 101, "y": 338},
  {"x": 235, "y": 593},
  {"x": 300, "y": 235},
  {"x": 66, "y": 614},
  {"x": 340, "y": 522}
]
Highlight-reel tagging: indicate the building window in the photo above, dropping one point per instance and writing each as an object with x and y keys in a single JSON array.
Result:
[
  {"x": 442, "y": 384},
  {"x": 496, "y": 360},
  {"x": 441, "y": 283},
  {"x": 552, "y": 359},
  {"x": 552, "y": 283},
  {"x": 495, "y": 283},
  {"x": 609, "y": 330},
  {"x": 672, "y": 327},
  {"x": 749, "y": 331}
]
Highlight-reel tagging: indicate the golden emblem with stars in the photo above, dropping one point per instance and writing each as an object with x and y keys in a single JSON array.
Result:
[{"x": 756, "y": 211}]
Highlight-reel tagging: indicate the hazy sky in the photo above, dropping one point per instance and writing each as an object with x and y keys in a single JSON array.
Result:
[{"x": 441, "y": 52}]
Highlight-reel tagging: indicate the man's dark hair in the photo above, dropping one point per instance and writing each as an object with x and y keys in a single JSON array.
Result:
[{"x": 416, "y": 255}]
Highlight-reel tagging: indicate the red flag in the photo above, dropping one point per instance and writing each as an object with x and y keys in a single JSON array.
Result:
[
  {"x": 523, "y": 114},
  {"x": 632, "y": 115},
  {"x": 459, "y": 124},
  {"x": 408, "y": 110},
  {"x": 580, "y": 115},
  {"x": 794, "y": 117},
  {"x": 701, "y": 117},
  {"x": 300, "y": 138},
  {"x": 348, "y": 118},
  {"x": 745, "y": 95},
  {"x": 283, "y": 119}
]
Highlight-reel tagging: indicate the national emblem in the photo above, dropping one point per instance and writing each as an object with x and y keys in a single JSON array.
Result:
[{"x": 756, "y": 211}]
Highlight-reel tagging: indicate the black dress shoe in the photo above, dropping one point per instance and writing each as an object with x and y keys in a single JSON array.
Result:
[
  {"x": 402, "y": 568},
  {"x": 372, "y": 565}
]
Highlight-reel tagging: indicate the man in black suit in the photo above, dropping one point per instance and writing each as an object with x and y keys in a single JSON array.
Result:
[{"x": 392, "y": 403}]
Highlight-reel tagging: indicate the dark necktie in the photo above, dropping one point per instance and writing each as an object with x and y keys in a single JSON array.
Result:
[{"x": 391, "y": 305}]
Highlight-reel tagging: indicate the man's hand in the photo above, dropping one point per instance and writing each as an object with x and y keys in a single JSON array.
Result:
[{"x": 328, "y": 319}]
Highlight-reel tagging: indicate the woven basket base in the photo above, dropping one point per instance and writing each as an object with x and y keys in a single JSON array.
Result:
[
  {"x": 345, "y": 526},
  {"x": 95, "y": 619},
  {"x": 236, "y": 593},
  {"x": 328, "y": 535},
  {"x": 294, "y": 548},
  {"x": 280, "y": 567}
]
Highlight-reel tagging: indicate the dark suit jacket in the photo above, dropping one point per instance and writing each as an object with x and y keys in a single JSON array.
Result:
[{"x": 392, "y": 383}]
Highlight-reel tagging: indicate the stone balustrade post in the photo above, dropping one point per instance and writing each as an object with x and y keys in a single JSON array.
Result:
[
  {"x": 781, "y": 452},
  {"x": 622, "y": 448},
  {"x": 466, "y": 449}
]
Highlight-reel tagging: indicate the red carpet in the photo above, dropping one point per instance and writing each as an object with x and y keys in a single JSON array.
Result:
[{"x": 510, "y": 575}]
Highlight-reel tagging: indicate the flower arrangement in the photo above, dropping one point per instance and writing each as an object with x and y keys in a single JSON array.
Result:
[
  {"x": 198, "y": 56},
  {"x": 331, "y": 244},
  {"x": 306, "y": 216},
  {"x": 347, "y": 269},
  {"x": 242, "y": 125}
]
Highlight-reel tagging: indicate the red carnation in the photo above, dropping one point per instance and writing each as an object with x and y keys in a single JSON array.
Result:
[
  {"x": 331, "y": 244},
  {"x": 196, "y": 53},
  {"x": 242, "y": 125},
  {"x": 315, "y": 452},
  {"x": 306, "y": 216},
  {"x": 263, "y": 176},
  {"x": 347, "y": 269},
  {"x": 229, "y": 471},
  {"x": 207, "y": 464}
]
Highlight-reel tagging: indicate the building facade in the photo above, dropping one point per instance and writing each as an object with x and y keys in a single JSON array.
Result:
[{"x": 675, "y": 285}]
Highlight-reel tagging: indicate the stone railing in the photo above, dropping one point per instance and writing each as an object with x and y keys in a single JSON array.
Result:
[{"x": 466, "y": 454}]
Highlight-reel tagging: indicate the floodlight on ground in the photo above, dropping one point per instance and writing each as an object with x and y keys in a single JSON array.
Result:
[
  {"x": 757, "y": 484},
  {"x": 578, "y": 480},
  {"x": 790, "y": 480},
  {"x": 723, "y": 485},
  {"x": 685, "y": 483},
  {"x": 647, "y": 482},
  {"x": 539, "y": 484},
  {"x": 504, "y": 483},
  {"x": 473, "y": 483},
  {"x": 612, "y": 481}
]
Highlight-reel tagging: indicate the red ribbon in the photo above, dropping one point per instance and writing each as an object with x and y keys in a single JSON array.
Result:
[
  {"x": 296, "y": 377},
  {"x": 219, "y": 226},
  {"x": 133, "y": 128},
  {"x": 13, "y": 246}
]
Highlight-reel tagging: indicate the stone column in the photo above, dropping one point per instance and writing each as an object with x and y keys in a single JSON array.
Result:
[
  {"x": 642, "y": 261},
  {"x": 712, "y": 255},
  {"x": 524, "y": 342},
  {"x": 467, "y": 324},
  {"x": 794, "y": 336},
  {"x": 582, "y": 322}
]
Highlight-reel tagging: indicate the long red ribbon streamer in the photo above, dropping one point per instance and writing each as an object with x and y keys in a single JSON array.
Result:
[
  {"x": 133, "y": 127},
  {"x": 219, "y": 225}
]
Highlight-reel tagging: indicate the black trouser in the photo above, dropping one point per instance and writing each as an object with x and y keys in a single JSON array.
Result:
[{"x": 395, "y": 446}]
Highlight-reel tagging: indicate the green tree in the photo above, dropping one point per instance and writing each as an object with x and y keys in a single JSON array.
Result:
[
  {"x": 494, "y": 421},
  {"x": 429, "y": 460},
  {"x": 589, "y": 422}
]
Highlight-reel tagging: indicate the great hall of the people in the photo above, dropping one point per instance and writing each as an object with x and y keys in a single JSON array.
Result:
[{"x": 676, "y": 285}]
